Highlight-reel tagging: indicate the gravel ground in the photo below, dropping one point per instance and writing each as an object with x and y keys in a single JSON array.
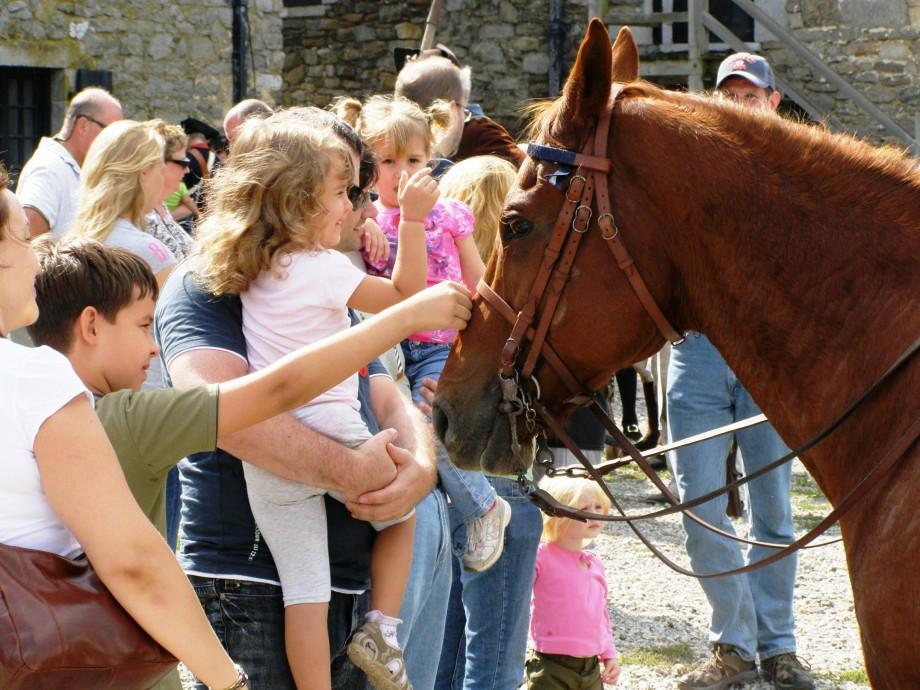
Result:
[{"x": 660, "y": 618}]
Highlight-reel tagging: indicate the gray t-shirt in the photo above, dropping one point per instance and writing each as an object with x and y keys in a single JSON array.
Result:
[{"x": 126, "y": 236}]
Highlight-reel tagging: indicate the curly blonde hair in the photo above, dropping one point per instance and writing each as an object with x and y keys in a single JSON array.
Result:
[
  {"x": 482, "y": 183},
  {"x": 265, "y": 199},
  {"x": 175, "y": 137},
  {"x": 568, "y": 491},
  {"x": 395, "y": 119},
  {"x": 110, "y": 179}
]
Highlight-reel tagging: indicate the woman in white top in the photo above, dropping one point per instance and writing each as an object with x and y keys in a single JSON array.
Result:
[
  {"x": 63, "y": 490},
  {"x": 120, "y": 183}
]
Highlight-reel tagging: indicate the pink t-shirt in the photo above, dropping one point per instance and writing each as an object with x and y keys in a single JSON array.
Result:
[
  {"x": 569, "y": 604},
  {"x": 448, "y": 221},
  {"x": 302, "y": 300}
]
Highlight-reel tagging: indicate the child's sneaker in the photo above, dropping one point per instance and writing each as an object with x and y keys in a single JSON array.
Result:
[
  {"x": 383, "y": 663},
  {"x": 485, "y": 536}
]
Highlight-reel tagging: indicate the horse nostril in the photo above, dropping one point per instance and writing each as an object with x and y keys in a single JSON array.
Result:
[{"x": 439, "y": 420}]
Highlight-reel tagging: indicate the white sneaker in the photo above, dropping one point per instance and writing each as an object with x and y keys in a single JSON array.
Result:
[{"x": 485, "y": 536}]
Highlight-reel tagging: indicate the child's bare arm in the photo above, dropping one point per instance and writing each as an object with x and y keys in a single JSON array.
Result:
[
  {"x": 471, "y": 265},
  {"x": 417, "y": 196},
  {"x": 302, "y": 375}
]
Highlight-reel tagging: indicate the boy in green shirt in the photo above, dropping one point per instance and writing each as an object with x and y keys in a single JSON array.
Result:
[{"x": 96, "y": 307}]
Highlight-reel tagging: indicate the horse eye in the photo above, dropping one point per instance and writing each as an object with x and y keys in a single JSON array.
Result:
[{"x": 515, "y": 227}]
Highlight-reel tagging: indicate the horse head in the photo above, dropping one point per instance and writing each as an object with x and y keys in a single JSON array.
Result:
[{"x": 470, "y": 389}]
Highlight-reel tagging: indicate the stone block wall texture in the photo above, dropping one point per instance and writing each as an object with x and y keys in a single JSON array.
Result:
[
  {"x": 348, "y": 49},
  {"x": 873, "y": 44},
  {"x": 168, "y": 59}
]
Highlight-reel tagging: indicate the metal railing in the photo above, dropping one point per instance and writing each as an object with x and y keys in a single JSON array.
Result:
[{"x": 700, "y": 22}]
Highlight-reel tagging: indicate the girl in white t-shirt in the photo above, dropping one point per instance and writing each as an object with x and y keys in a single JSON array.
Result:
[
  {"x": 63, "y": 490},
  {"x": 275, "y": 212}
]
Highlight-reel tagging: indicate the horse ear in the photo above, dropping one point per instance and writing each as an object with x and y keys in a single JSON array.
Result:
[
  {"x": 625, "y": 57},
  {"x": 587, "y": 89}
]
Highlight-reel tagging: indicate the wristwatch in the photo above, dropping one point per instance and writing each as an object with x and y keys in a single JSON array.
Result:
[{"x": 242, "y": 680}]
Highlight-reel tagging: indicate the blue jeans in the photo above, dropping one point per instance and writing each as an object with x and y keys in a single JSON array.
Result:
[
  {"x": 424, "y": 604},
  {"x": 488, "y": 619},
  {"x": 173, "y": 507},
  {"x": 470, "y": 493},
  {"x": 346, "y": 614},
  {"x": 751, "y": 611},
  {"x": 248, "y": 618}
]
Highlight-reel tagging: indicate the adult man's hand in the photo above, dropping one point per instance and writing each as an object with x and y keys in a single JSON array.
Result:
[
  {"x": 414, "y": 479},
  {"x": 377, "y": 469}
]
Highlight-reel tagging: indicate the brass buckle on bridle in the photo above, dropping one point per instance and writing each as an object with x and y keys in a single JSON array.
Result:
[
  {"x": 582, "y": 215},
  {"x": 576, "y": 185},
  {"x": 608, "y": 225}
]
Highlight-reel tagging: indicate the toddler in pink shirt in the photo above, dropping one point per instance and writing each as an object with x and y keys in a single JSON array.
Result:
[{"x": 570, "y": 622}]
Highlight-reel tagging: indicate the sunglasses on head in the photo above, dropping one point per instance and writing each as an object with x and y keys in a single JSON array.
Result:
[{"x": 360, "y": 197}]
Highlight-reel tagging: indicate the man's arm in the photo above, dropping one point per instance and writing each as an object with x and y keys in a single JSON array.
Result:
[
  {"x": 282, "y": 444},
  {"x": 414, "y": 456},
  {"x": 38, "y": 225}
]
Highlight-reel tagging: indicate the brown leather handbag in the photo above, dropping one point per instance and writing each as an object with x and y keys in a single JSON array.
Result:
[{"x": 60, "y": 627}]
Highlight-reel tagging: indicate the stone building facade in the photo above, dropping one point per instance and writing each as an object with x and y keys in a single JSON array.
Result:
[
  {"x": 174, "y": 60},
  {"x": 346, "y": 47},
  {"x": 169, "y": 60}
]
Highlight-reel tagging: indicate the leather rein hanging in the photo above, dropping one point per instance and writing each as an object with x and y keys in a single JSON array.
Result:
[{"x": 530, "y": 325}]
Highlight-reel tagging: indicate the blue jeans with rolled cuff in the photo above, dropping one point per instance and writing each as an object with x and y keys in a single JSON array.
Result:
[{"x": 470, "y": 493}]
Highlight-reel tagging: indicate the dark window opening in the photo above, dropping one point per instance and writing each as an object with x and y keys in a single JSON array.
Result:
[
  {"x": 25, "y": 113},
  {"x": 733, "y": 17},
  {"x": 302, "y": 3}
]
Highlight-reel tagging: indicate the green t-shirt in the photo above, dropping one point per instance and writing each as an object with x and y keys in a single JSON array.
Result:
[
  {"x": 151, "y": 431},
  {"x": 174, "y": 199}
]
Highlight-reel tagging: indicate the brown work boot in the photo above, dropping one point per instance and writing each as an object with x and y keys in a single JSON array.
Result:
[
  {"x": 723, "y": 669},
  {"x": 788, "y": 672}
]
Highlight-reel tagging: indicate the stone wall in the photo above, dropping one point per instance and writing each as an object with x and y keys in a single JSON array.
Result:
[
  {"x": 874, "y": 45},
  {"x": 346, "y": 47},
  {"x": 168, "y": 60}
]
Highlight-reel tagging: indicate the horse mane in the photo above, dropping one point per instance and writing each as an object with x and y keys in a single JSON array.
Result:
[{"x": 838, "y": 168}]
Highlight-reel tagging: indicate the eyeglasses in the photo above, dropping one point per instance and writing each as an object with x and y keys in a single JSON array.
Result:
[
  {"x": 181, "y": 162},
  {"x": 102, "y": 125},
  {"x": 359, "y": 197}
]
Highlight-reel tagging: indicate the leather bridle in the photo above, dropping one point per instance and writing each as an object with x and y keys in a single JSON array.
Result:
[{"x": 530, "y": 325}]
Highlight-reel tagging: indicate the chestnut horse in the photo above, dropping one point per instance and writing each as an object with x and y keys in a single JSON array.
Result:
[{"x": 796, "y": 251}]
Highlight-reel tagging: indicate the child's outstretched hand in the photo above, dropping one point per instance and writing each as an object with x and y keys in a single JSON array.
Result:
[
  {"x": 417, "y": 195},
  {"x": 442, "y": 306},
  {"x": 611, "y": 673}
]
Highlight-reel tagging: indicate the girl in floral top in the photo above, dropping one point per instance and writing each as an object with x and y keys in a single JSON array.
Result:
[{"x": 403, "y": 137}]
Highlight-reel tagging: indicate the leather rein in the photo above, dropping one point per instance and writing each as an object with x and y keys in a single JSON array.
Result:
[{"x": 530, "y": 325}]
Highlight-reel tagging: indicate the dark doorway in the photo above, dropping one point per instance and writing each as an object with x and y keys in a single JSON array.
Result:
[
  {"x": 726, "y": 11},
  {"x": 25, "y": 113}
]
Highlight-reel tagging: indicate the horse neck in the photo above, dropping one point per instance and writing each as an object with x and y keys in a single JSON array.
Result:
[{"x": 793, "y": 269}]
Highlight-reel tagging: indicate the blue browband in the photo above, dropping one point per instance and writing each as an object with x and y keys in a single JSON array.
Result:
[{"x": 565, "y": 157}]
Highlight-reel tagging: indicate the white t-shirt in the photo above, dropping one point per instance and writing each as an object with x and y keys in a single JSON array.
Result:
[
  {"x": 34, "y": 384},
  {"x": 50, "y": 183},
  {"x": 302, "y": 300}
]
